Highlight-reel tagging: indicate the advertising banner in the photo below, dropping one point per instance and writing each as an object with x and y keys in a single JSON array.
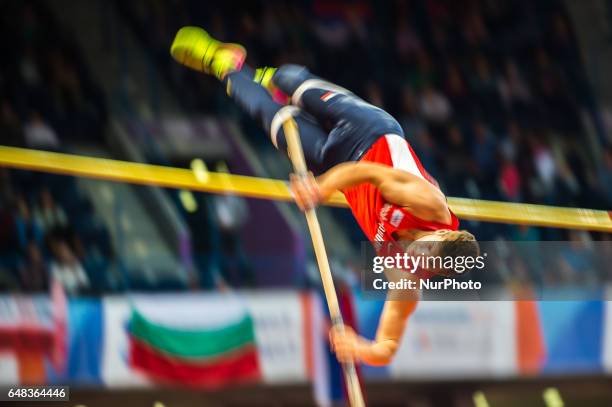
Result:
[
  {"x": 206, "y": 340},
  {"x": 461, "y": 339}
]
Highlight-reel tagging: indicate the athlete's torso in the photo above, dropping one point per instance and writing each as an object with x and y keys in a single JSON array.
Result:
[{"x": 378, "y": 218}]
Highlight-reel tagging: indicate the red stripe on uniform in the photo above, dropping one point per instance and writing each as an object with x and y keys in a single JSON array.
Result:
[{"x": 325, "y": 95}]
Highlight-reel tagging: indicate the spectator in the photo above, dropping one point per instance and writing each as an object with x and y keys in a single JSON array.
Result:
[
  {"x": 440, "y": 40},
  {"x": 485, "y": 88},
  {"x": 33, "y": 272},
  {"x": 475, "y": 32},
  {"x": 561, "y": 44},
  {"x": 510, "y": 181},
  {"x": 67, "y": 269},
  {"x": 11, "y": 132},
  {"x": 38, "y": 134},
  {"x": 374, "y": 95},
  {"x": 232, "y": 213},
  {"x": 28, "y": 68},
  {"x": 50, "y": 216},
  {"x": 458, "y": 92},
  {"x": 94, "y": 261},
  {"x": 546, "y": 168},
  {"x": 484, "y": 148},
  {"x": 457, "y": 162},
  {"x": 511, "y": 141},
  {"x": 568, "y": 187},
  {"x": 355, "y": 16},
  {"x": 27, "y": 230},
  {"x": 513, "y": 88},
  {"x": 425, "y": 147},
  {"x": 557, "y": 100},
  {"x": 334, "y": 33},
  {"x": 76, "y": 114},
  {"x": 434, "y": 106},
  {"x": 423, "y": 74},
  {"x": 409, "y": 119},
  {"x": 407, "y": 41}
]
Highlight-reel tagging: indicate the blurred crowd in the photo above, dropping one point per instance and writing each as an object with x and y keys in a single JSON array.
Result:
[
  {"x": 48, "y": 228},
  {"x": 490, "y": 93},
  {"x": 45, "y": 87}
]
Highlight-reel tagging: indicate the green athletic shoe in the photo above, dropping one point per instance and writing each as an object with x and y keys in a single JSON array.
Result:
[
  {"x": 263, "y": 76},
  {"x": 193, "y": 47}
]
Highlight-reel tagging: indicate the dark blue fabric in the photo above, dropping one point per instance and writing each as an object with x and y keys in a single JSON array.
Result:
[
  {"x": 251, "y": 96},
  {"x": 352, "y": 124},
  {"x": 257, "y": 102},
  {"x": 334, "y": 131}
]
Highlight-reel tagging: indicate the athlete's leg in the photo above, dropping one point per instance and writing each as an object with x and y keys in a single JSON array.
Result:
[
  {"x": 196, "y": 49},
  {"x": 353, "y": 124},
  {"x": 258, "y": 103},
  {"x": 296, "y": 80}
]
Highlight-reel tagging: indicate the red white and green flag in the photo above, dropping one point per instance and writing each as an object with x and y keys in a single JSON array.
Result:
[
  {"x": 200, "y": 356},
  {"x": 207, "y": 340}
]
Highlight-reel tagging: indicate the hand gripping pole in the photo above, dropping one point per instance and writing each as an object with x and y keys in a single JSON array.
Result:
[{"x": 296, "y": 155}]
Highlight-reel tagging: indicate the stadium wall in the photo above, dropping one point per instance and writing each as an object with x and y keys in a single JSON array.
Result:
[{"x": 94, "y": 346}]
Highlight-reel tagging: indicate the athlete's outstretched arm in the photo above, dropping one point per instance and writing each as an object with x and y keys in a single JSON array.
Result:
[
  {"x": 396, "y": 186},
  {"x": 391, "y": 327}
]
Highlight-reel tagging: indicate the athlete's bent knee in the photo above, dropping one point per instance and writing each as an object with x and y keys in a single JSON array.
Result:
[
  {"x": 289, "y": 77},
  {"x": 279, "y": 118}
]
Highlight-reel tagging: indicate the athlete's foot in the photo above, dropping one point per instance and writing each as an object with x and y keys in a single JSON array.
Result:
[
  {"x": 193, "y": 47},
  {"x": 263, "y": 76}
]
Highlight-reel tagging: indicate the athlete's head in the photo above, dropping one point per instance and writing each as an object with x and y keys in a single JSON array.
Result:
[{"x": 448, "y": 247}]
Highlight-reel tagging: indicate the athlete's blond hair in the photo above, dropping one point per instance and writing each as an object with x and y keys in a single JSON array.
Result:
[{"x": 455, "y": 243}]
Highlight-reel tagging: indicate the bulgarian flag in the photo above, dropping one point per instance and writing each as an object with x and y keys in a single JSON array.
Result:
[{"x": 193, "y": 353}]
